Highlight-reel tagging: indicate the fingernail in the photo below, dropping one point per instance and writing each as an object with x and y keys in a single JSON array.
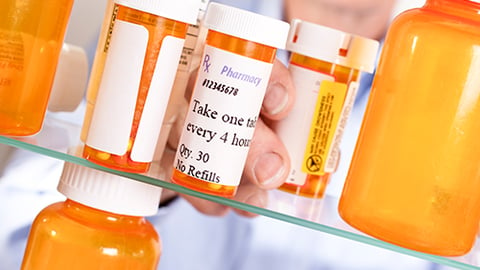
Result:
[
  {"x": 276, "y": 98},
  {"x": 268, "y": 169}
]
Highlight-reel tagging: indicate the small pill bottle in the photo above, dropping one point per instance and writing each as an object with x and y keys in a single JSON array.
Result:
[
  {"x": 227, "y": 97},
  {"x": 31, "y": 38},
  {"x": 142, "y": 49},
  {"x": 325, "y": 66},
  {"x": 100, "y": 225}
]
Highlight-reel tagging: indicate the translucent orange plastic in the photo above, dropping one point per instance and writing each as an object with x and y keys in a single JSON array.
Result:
[
  {"x": 245, "y": 48},
  {"x": 414, "y": 179},
  {"x": 97, "y": 68},
  {"x": 31, "y": 38},
  {"x": 315, "y": 185},
  {"x": 69, "y": 235},
  {"x": 158, "y": 28}
]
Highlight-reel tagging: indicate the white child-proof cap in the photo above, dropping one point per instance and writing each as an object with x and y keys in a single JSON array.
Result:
[
  {"x": 179, "y": 10},
  {"x": 70, "y": 81},
  {"x": 332, "y": 45},
  {"x": 108, "y": 192},
  {"x": 246, "y": 25}
]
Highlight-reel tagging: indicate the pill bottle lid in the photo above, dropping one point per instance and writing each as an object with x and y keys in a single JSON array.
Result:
[
  {"x": 246, "y": 25},
  {"x": 179, "y": 10},
  {"x": 70, "y": 81},
  {"x": 108, "y": 192},
  {"x": 332, "y": 45}
]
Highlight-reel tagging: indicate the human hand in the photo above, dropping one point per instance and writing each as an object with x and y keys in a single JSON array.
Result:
[{"x": 267, "y": 163}]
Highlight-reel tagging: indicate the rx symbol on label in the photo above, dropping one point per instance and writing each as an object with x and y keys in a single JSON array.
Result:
[{"x": 206, "y": 63}]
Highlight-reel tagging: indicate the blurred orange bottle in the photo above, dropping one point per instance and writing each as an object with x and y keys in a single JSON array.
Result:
[
  {"x": 31, "y": 38},
  {"x": 325, "y": 65},
  {"x": 227, "y": 97},
  {"x": 414, "y": 179},
  {"x": 97, "y": 68},
  {"x": 133, "y": 80},
  {"x": 101, "y": 225}
]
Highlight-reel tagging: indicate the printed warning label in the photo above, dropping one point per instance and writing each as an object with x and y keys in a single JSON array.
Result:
[{"x": 326, "y": 116}]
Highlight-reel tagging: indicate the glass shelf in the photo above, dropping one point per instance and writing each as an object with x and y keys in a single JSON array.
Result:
[{"x": 320, "y": 215}]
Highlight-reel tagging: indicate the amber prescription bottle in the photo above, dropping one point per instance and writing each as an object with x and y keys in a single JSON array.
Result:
[
  {"x": 100, "y": 225},
  {"x": 414, "y": 178},
  {"x": 143, "y": 47},
  {"x": 232, "y": 79},
  {"x": 325, "y": 65},
  {"x": 31, "y": 37}
]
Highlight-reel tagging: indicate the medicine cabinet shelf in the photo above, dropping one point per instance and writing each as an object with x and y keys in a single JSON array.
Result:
[{"x": 320, "y": 215}]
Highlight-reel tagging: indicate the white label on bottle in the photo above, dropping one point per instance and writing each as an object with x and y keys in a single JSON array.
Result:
[
  {"x": 294, "y": 129},
  {"x": 157, "y": 99},
  {"x": 117, "y": 95},
  {"x": 222, "y": 115},
  {"x": 333, "y": 153}
]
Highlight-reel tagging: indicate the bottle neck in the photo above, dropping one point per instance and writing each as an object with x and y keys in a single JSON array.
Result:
[
  {"x": 460, "y": 8},
  {"x": 85, "y": 213},
  {"x": 341, "y": 73},
  {"x": 241, "y": 46}
]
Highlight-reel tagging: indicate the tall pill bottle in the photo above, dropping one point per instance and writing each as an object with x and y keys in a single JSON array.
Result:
[
  {"x": 325, "y": 65},
  {"x": 31, "y": 38},
  {"x": 233, "y": 75},
  {"x": 143, "y": 47},
  {"x": 414, "y": 178},
  {"x": 101, "y": 225}
]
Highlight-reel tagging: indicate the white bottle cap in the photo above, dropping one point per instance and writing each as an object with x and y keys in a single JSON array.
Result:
[
  {"x": 70, "y": 80},
  {"x": 179, "y": 10},
  {"x": 331, "y": 45},
  {"x": 108, "y": 192},
  {"x": 246, "y": 25}
]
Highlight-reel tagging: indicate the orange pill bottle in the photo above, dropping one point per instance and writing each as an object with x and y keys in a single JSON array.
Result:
[
  {"x": 100, "y": 225},
  {"x": 227, "y": 97},
  {"x": 325, "y": 66},
  {"x": 414, "y": 178},
  {"x": 31, "y": 38},
  {"x": 143, "y": 47}
]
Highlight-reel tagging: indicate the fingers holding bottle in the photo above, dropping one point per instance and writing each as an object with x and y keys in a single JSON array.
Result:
[{"x": 280, "y": 94}]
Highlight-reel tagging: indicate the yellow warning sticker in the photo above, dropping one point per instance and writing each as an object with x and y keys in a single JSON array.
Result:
[{"x": 328, "y": 109}]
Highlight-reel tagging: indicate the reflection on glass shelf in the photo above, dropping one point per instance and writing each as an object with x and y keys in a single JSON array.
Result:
[{"x": 317, "y": 214}]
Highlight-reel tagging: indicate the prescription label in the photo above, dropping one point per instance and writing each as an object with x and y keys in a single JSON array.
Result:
[
  {"x": 129, "y": 59},
  {"x": 334, "y": 150},
  {"x": 328, "y": 109},
  {"x": 222, "y": 116},
  {"x": 112, "y": 118},
  {"x": 294, "y": 129}
]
